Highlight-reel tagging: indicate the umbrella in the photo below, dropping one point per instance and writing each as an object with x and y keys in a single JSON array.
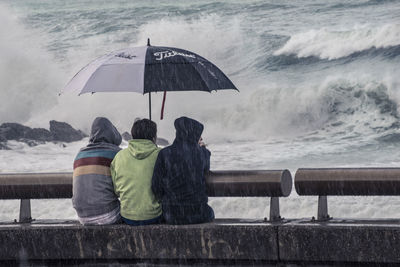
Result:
[{"x": 149, "y": 69}]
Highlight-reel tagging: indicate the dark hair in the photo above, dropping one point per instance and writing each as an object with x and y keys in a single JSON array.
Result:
[{"x": 144, "y": 129}]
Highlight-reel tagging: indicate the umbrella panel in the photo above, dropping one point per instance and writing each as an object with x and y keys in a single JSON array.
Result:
[
  {"x": 173, "y": 69},
  {"x": 149, "y": 69}
]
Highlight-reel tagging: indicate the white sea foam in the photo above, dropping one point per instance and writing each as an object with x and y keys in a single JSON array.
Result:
[
  {"x": 28, "y": 75},
  {"x": 241, "y": 155},
  {"x": 264, "y": 107},
  {"x": 331, "y": 43}
]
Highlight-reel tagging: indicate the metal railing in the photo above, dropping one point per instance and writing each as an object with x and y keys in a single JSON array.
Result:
[
  {"x": 325, "y": 182},
  {"x": 261, "y": 183}
]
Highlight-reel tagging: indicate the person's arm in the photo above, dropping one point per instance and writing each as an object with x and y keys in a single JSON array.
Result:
[
  {"x": 158, "y": 174},
  {"x": 114, "y": 177},
  {"x": 206, "y": 158},
  {"x": 205, "y": 155}
]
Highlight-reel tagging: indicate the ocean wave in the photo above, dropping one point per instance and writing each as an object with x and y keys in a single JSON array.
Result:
[
  {"x": 333, "y": 44},
  {"x": 338, "y": 108},
  {"x": 279, "y": 62},
  {"x": 28, "y": 74},
  {"x": 270, "y": 102},
  {"x": 354, "y": 4}
]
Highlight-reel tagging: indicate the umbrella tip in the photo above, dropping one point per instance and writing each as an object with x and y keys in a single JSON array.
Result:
[{"x": 148, "y": 41}]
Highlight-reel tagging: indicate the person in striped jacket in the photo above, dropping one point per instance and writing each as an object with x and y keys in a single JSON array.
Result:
[{"x": 93, "y": 192}]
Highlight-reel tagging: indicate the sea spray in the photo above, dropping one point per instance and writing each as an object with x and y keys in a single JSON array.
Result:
[
  {"x": 277, "y": 97},
  {"x": 332, "y": 43},
  {"x": 28, "y": 75}
]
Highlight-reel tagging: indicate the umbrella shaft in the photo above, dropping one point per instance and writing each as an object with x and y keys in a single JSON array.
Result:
[
  {"x": 162, "y": 107},
  {"x": 150, "y": 105}
]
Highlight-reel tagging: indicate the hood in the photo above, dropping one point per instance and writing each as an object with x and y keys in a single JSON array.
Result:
[
  {"x": 188, "y": 130},
  {"x": 141, "y": 148},
  {"x": 103, "y": 131}
]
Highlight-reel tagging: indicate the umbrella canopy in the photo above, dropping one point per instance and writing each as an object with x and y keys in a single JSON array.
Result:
[{"x": 149, "y": 69}]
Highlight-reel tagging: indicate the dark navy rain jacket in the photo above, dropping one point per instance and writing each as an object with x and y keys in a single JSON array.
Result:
[{"x": 179, "y": 176}]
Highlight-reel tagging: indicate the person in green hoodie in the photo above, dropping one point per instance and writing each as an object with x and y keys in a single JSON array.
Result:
[{"x": 132, "y": 170}]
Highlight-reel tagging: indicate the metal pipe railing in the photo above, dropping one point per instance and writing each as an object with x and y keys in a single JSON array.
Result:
[
  {"x": 262, "y": 183},
  {"x": 35, "y": 185},
  {"x": 323, "y": 182}
]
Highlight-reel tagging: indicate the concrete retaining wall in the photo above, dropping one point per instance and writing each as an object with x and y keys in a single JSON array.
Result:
[{"x": 224, "y": 241}]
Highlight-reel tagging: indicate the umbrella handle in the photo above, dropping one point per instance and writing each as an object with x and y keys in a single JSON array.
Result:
[{"x": 162, "y": 106}]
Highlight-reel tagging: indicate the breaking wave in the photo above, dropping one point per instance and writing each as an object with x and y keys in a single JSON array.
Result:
[
  {"x": 274, "y": 99},
  {"x": 333, "y": 44},
  {"x": 336, "y": 108},
  {"x": 28, "y": 75}
]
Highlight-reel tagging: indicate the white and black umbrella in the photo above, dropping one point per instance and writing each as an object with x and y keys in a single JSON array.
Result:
[{"x": 149, "y": 69}]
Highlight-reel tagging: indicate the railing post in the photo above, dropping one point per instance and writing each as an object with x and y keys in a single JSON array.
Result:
[
  {"x": 25, "y": 211},
  {"x": 323, "y": 208},
  {"x": 274, "y": 214}
]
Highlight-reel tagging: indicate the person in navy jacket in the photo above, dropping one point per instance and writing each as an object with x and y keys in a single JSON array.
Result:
[{"x": 179, "y": 176}]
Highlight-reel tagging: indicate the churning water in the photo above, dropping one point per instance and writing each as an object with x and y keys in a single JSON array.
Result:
[{"x": 319, "y": 86}]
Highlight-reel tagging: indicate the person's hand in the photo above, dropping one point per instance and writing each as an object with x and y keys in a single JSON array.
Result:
[{"x": 201, "y": 143}]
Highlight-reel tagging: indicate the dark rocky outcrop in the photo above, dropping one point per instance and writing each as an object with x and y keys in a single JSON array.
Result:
[
  {"x": 39, "y": 134},
  {"x": 13, "y": 131},
  {"x": 3, "y": 142},
  {"x": 2, "y": 138},
  {"x": 3, "y": 146},
  {"x": 64, "y": 132},
  {"x": 59, "y": 131}
]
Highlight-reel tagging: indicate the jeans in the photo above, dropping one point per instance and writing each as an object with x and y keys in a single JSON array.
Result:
[
  {"x": 188, "y": 214},
  {"x": 112, "y": 217},
  {"x": 155, "y": 220}
]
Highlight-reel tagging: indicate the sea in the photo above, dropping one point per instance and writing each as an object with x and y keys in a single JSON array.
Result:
[{"x": 319, "y": 86}]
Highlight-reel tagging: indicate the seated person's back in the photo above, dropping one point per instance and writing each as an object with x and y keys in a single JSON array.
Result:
[
  {"x": 132, "y": 170},
  {"x": 93, "y": 193},
  {"x": 179, "y": 176}
]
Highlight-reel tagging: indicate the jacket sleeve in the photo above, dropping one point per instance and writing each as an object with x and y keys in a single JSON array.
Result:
[
  {"x": 206, "y": 157},
  {"x": 158, "y": 174},
  {"x": 114, "y": 177}
]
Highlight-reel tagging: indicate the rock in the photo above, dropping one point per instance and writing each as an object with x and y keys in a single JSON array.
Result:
[
  {"x": 39, "y": 134},
  {"x": 13, "y": 131},
  {"x": 64, "y": 132},
  {"x": 126, "y": 136},
  {"x": 31, "y": 142},
  {"x": 19, "y": 132},
  {"x": 59, "y": 131},
  {"x": 3, "y": 146},
  {"x": 162, "y": 142},
  {"x": 3, "y": 142}
]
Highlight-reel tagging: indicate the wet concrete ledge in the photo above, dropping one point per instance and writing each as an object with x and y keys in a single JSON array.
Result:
[
  {"x": 221, "y": 240},
  {"x": 224, "y": 242},
  {"x": 346, "y": 241}
]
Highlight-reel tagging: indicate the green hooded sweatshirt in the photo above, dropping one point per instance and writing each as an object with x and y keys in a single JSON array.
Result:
[{"x": 131, "y": 171}]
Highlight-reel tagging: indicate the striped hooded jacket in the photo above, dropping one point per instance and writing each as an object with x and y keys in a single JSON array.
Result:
[{"x": 93, "y": 191}]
